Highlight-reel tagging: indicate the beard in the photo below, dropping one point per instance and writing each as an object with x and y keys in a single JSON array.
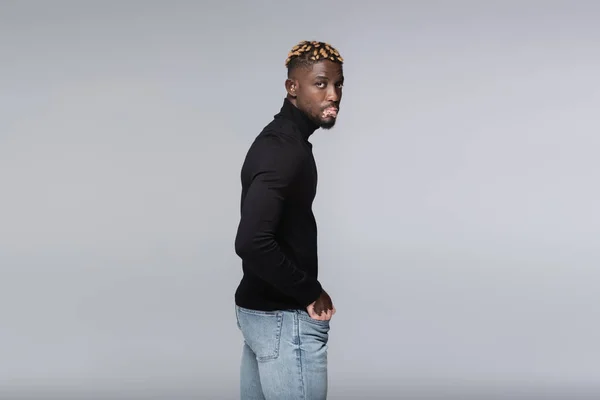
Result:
[
  {"x": 327, "y": 123},
  {"x": 324, "y": 120}
]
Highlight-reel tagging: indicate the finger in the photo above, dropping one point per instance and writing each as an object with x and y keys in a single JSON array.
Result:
[
  {"x": 313, "y": 314},
  {"x": 322, "y": 317}
]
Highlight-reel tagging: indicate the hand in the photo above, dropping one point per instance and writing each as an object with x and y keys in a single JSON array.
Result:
[{"x": 321, "y": 309}]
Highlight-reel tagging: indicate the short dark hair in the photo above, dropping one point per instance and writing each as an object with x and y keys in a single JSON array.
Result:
[{"x": 307, "y": 53}]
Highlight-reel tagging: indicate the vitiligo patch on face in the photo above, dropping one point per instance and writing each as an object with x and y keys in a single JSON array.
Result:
[{"x": 314, "y": 51}]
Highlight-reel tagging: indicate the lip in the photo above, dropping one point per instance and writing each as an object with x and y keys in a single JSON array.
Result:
[{"x": 330, "y": 112}]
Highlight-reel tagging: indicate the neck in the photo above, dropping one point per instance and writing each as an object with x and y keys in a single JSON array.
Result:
[{"x": 290, "y": 111}]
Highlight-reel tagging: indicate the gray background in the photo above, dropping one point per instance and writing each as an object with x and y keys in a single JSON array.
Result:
[{"x": 457, "y": 201}]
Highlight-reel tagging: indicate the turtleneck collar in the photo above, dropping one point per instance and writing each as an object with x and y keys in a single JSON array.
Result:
[{"x": 292, "y": 113}]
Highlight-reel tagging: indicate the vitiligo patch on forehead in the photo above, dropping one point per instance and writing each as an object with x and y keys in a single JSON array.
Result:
[{"x": 314, "y": 51}]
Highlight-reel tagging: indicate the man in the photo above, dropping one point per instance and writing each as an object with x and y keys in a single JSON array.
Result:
[{"x": 281, "y": 307}]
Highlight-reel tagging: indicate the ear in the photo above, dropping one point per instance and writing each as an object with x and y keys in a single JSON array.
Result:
[{"x": 291, "y": 86}]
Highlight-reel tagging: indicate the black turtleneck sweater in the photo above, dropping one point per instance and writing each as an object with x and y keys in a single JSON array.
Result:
[{"x": 277, "y": 234}]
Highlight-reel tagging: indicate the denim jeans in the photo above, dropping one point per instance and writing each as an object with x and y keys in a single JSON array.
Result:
[{"x": 284, "y": 355}]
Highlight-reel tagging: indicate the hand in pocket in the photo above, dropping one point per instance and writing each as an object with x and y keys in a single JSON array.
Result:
[{"x": 321, "y": 309}]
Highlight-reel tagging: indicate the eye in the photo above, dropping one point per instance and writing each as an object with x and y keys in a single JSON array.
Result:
[
  {"x": 321, "y": 84},
  {"x": 340, "y": 85}
]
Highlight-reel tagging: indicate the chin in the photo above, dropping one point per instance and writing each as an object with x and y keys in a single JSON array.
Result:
[{"x": 327, "y": 123}]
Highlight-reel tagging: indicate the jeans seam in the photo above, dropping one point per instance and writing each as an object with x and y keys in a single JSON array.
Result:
[
  {"x": 259, "y": 312},
  {"x": 299, "y": 354}
]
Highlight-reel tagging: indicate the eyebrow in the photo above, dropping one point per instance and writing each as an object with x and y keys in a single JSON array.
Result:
[{"x": 320, "y": 76}]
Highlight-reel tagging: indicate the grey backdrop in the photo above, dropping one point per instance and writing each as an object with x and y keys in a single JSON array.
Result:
[{"x": 457, "y": 201}]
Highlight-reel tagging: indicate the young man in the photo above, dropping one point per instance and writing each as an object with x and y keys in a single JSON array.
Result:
[{"x": 281, "y": 308}]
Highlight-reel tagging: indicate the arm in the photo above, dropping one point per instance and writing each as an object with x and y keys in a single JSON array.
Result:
[{"x": 261, "y": 211}]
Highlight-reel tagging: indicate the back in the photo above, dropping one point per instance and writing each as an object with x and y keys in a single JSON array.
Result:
[{"x": 277, "y": 234}]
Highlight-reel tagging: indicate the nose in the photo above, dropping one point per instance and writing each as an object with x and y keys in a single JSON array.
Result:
[{"x": 333, "y": 94}]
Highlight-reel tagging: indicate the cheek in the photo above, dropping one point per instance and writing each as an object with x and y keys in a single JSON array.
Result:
[
  {"x": 314, "y": 99},
  {"x": 309, "y": 102}
]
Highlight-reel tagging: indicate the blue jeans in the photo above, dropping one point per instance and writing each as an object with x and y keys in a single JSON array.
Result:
[{"x": 284, "y": 356}]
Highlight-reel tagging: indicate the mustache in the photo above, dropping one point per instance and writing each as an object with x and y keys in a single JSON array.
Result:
[{"x": 336, "y": 106}]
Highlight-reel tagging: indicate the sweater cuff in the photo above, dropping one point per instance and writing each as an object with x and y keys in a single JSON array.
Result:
[{"x": 310, "y": 293}]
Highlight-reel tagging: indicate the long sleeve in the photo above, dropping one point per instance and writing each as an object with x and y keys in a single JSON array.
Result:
[{"x": 272, "y": 175}]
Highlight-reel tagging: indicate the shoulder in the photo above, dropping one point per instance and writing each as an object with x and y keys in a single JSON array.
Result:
[{"x": 275, "y": 152}]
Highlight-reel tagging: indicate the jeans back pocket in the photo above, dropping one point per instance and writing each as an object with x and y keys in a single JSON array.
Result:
[{"x": 261, "y": 331}]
